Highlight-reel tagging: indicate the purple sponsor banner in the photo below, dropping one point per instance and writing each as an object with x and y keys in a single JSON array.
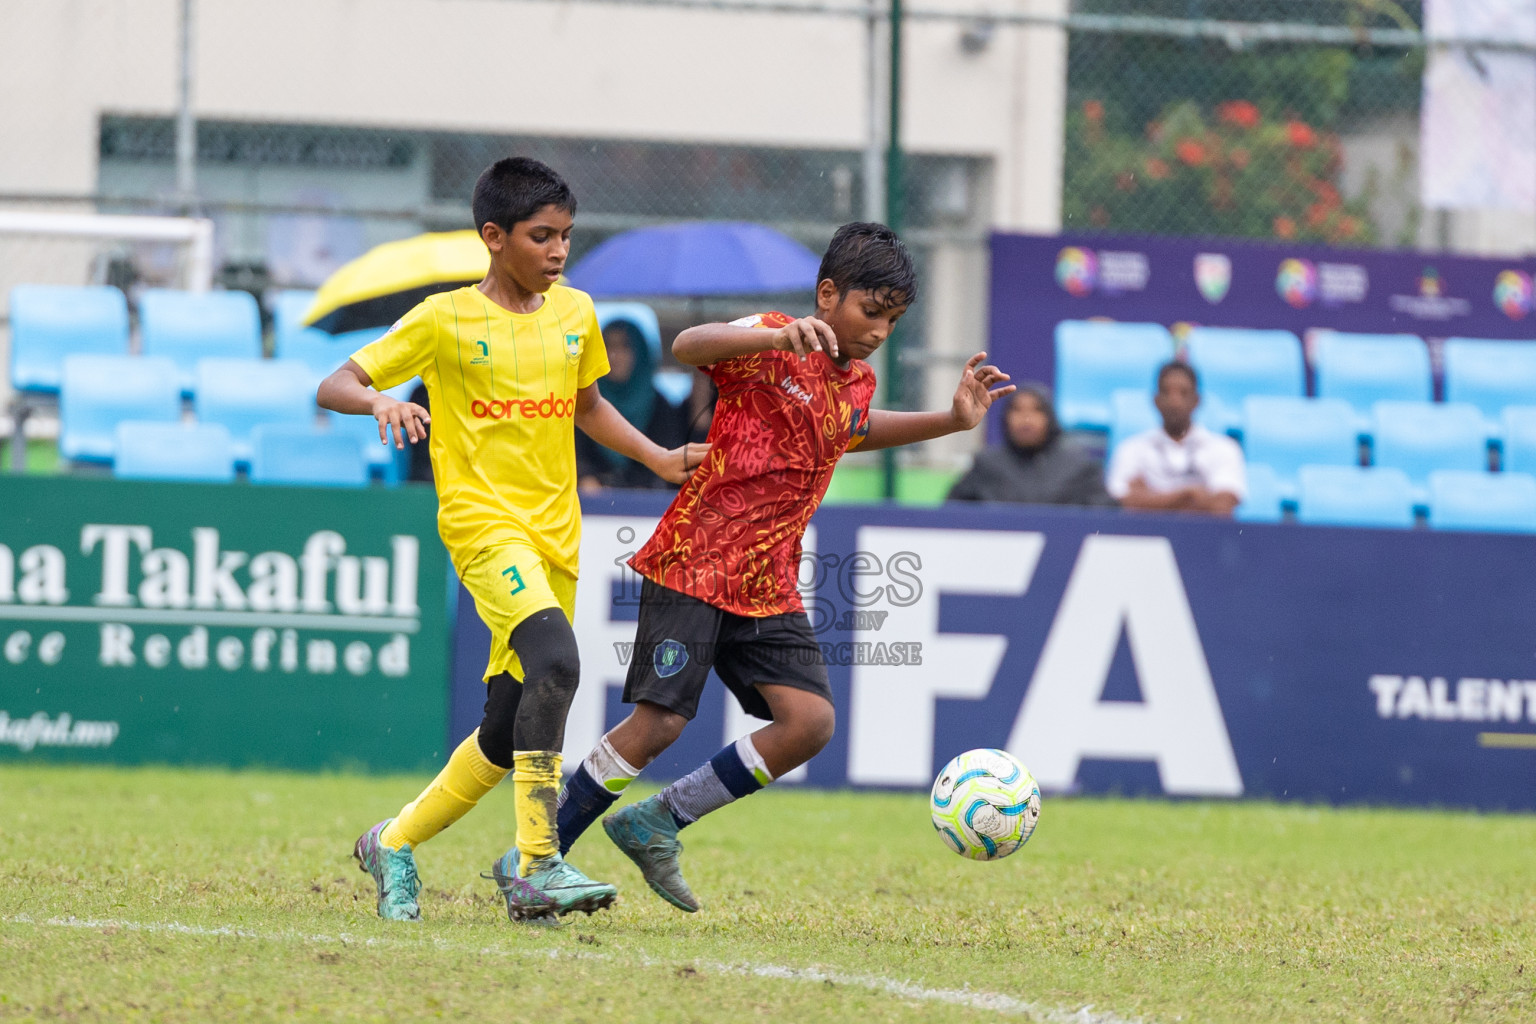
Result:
[
  {"x": 1039, "y": 281},
  {"x": 1116, "y": 652}
]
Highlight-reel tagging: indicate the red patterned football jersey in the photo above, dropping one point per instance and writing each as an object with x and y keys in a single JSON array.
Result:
[{"x": 732, "y": 535}]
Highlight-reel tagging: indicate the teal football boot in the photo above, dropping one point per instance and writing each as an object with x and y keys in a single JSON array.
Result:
[
  {"x": 393, "y": 871},
  {"x": 550, "y": 890},
  {"x": 647, "y": 832}
]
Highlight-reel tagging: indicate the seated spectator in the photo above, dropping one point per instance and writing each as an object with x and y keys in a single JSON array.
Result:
[
  {"x": 1179, "y": 466},
  {"x": 628, "y": 386},
  {"x": 1036, "y": 463}
]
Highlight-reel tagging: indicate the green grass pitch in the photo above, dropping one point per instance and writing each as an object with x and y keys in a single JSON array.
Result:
[{"x": 169, "y": 895}]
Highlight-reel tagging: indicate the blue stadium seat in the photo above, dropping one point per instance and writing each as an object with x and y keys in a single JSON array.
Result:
[
  {"x": 323, "y": 352},
  {"x": 1364, "y": 369},
  {"x": 244, "y": 393},
  {"x": 1265, "y": 498},
  {"x": 1490, "y": 375},
  {"x": 1497, "y": 502},
  {"x": 173, "y": 451},
  {"x": 49, "y": 322},
  {"x": 320, "y": 351},
  {"x": 285, "y": 454},
  {"x": 1354, "y": 496},
  {"x": 288, "y": 306},
  {"x": 388, "y": 463},
  {"x": 1236, "y": 364},
  {"x": 674, "y": 385},
  {"x": 1131, "y": 412},
  {"x": 188, "y": 326},
  {"x": 1517, "y": 434},
  {"x": 1288, "y": 433},
  {"x": 98, "y": 392},
  {"x": 1421, "y": 437},
  {"x": 1095, "y": 359}
]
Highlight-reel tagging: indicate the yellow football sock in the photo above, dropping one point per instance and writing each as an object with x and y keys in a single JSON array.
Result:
[
  {"x": 535, "y": 792},
  {"x": 466, "y": 778}
]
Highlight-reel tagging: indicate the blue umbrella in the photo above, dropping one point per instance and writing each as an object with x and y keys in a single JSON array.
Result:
[{"x": 696, "y": 259}]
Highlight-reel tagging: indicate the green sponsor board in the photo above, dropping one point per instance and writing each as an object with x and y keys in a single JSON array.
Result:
[{"x": 221, "y": 624}]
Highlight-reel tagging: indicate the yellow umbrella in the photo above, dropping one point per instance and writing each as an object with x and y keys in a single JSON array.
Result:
[{"x": 381, "y": 285}]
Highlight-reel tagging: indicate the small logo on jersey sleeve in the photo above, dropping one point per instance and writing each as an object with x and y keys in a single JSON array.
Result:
[
  {"x": 858, "y": 424},
  {"x": 748, "y": 321},
  {"x": 572, "y": 345},
  {"x": 670, "y": 657}
]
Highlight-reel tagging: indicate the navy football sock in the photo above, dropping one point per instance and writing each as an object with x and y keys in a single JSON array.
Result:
[
  {"x": 733, "y": 773},
  {"x": 582, "y": 802},
  {"x": 598, "y": 781}
]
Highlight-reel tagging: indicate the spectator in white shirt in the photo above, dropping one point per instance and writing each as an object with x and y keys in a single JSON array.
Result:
[{"x": 1180, "y": 466}]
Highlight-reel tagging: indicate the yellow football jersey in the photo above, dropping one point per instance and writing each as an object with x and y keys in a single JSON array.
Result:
[{"x": 502, "y": 388}]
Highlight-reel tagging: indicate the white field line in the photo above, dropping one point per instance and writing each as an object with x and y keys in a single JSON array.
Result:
[{"x": 994, "y": 1002}]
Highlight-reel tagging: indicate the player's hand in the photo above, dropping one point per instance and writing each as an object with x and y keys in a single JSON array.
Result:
[
  {"x": 980, "y": 386},
  {"x": 678, "y": 465},
  {"x": 406, "y": 419},
  {"x": 805, "y": 336}
]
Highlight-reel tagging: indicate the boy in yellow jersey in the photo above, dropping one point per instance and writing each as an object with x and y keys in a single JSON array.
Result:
[{"x": 511, "y": 366}]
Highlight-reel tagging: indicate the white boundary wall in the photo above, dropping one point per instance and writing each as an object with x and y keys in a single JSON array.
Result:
[{"x": 529, "y": 66}]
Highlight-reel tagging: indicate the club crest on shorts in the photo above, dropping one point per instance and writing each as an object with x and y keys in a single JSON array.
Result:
[{"x": 670, "y": 657}]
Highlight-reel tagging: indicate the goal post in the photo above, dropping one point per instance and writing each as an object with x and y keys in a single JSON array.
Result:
[{"x": 191, "y": 236}]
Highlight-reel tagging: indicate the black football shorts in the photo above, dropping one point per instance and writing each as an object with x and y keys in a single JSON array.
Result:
[{"x": 680, "y": 638}]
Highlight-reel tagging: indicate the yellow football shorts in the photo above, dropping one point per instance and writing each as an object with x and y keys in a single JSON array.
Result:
[{"x": 509, "y": 583}]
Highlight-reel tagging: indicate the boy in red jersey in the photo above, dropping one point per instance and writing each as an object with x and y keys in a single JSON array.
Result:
[{"x": 721, "y": 568}]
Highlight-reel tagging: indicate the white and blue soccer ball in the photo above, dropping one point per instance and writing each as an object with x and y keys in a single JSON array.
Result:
[{"x": 985, "y": 804}]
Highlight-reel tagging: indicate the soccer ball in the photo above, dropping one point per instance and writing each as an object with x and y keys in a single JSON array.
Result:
[{"x": 985, "y": 804}]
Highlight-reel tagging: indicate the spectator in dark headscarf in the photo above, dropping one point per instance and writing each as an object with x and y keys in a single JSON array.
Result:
[
  {"x": 629, "y": 386},
  {"x": 1036, "y": 464}
]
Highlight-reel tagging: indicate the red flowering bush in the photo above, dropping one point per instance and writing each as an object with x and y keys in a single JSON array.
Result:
[
  {"x": 1300, "y": 135},
  {"x": 1237, "y": 172},
  {"x": 1238, "y": 113}
]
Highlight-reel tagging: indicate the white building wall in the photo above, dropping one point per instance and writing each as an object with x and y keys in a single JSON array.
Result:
[{"x": 526, "y": 67}]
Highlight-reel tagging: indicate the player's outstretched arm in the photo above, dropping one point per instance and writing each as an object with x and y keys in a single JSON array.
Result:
[
  {"x": 348, "y": 391},
  {"x": 599, "y": 420},
  {"x": 712, "y": 343},
  {"x": 980, "y": 386}
]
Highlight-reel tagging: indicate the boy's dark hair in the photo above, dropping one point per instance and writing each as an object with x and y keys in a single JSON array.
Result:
[
  {"x": 515, "y": 189},
  {"x": 1179, "y": 366},
  {"x": 871, "y": 258}
]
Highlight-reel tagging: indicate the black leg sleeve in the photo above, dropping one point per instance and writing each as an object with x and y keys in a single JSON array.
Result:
[
  {"x": 546, "y": 645},
  {"x": 503, "y": 694}
]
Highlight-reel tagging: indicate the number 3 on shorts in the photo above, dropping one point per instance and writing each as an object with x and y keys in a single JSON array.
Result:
[{"x": 517, "y": 578}]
